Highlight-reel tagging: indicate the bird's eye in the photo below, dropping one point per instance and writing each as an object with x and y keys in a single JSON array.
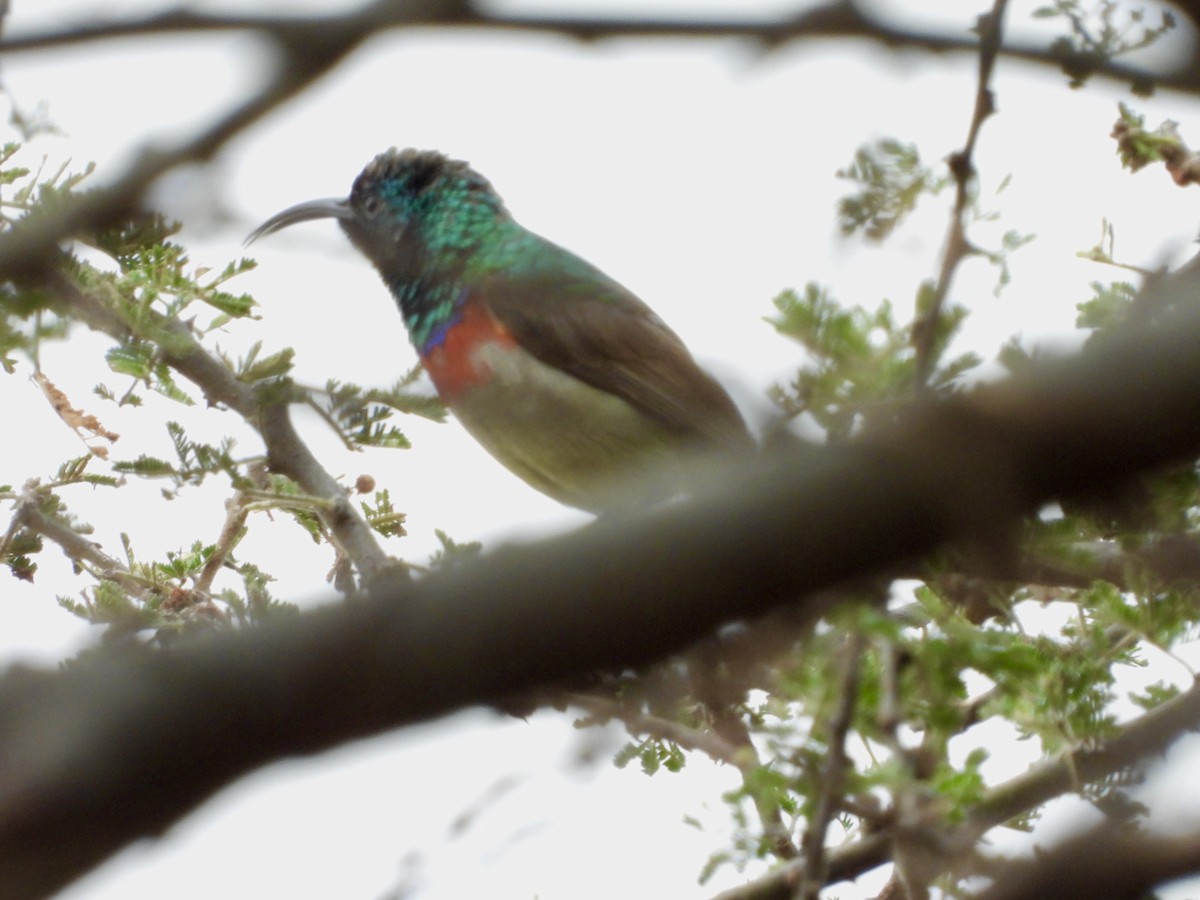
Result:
[{"x": 371, "y": 206}]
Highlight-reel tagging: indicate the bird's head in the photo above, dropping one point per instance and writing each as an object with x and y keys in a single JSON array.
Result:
[{"x": 408, "y": 211}]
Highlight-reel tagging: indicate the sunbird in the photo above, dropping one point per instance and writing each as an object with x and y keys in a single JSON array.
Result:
[{"x": 563, "y": 375}]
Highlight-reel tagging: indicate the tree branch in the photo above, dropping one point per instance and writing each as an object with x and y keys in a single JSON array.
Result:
[
  {"x": 311, "y": 47},
  {"x": 74, "y": 545},
  {"x": 1148, "y": 735},
  {"x": 77, "y": 749},
  {"x": 925, "y": 329},
  {"x": 709, "y": 743},
  {"x": 76, "y": 745},
  {"x": 816, "y": 861},
  {"x": 30, "y": 247},
  {"x": 286, "y": 452},
  {"x": 1110, "y": 861}
]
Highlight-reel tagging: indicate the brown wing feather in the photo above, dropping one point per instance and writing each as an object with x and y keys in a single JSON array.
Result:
[{"x": 594, "y": 329}]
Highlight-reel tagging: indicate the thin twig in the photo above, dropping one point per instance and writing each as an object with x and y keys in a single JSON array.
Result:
[
  {"x": 236, "y": 510},
  {"x": 286, "y": 452},
  {"x": 79, "y": 549},
  {"x": 75, "y": 545},
  {"x": 962, "y": 167},
  {"x": 30, "y": 248},
  {"x": 833, "y": 19},
  {"x": 716, "y": 680},
  {"x": 638, "y": 723},
  {"x": 816, "y": 863},
  {"x": 1147, "y": 736}
]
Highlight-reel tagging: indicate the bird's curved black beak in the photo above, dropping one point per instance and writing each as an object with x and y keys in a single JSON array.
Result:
[{"x": 329, "y": 208}]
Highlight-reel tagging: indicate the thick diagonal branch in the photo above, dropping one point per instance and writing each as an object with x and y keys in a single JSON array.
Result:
[{"x": 137, "y": 738}]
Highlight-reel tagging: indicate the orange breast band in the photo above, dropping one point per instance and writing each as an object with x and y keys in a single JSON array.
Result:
[{"x": 455, "y": 364}]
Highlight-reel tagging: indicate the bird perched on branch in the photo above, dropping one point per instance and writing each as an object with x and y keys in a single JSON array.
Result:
[{"x": 567, "y": 378}]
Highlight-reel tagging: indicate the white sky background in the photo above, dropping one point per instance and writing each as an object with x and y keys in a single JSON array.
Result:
[{"x": 699, "y": 174}]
